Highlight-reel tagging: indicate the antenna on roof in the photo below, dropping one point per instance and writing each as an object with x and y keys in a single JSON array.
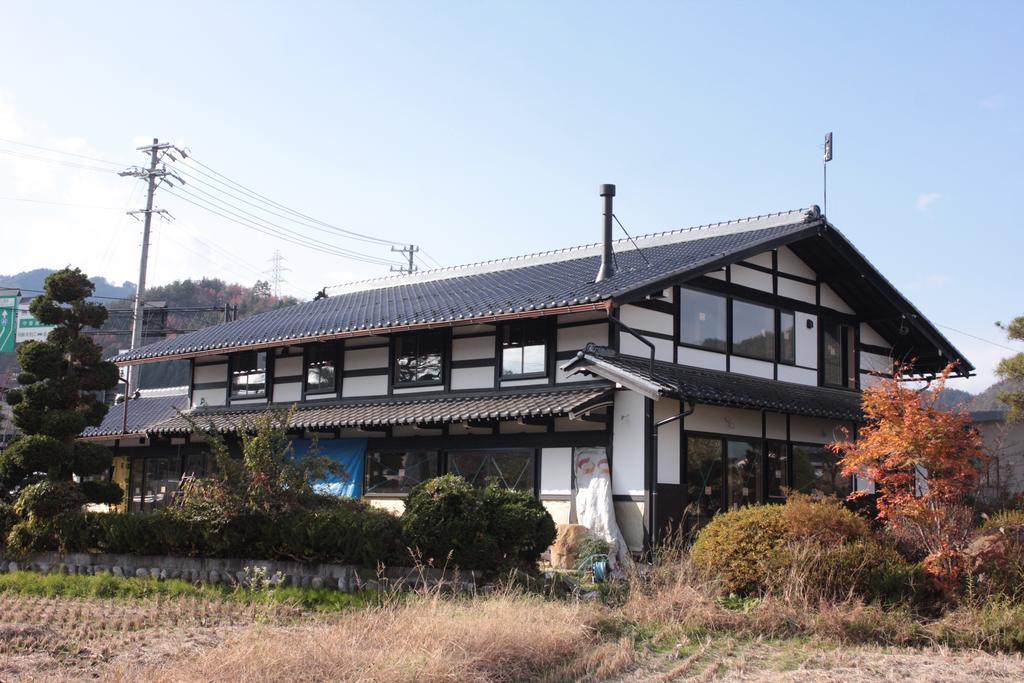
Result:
[{"x": 827, "y": 157}]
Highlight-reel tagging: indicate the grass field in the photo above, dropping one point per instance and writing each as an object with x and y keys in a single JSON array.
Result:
[{"x": 78, "y": 628}]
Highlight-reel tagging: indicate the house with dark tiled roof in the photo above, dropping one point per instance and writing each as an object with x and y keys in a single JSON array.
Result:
[{"x": 705, "y": 368}]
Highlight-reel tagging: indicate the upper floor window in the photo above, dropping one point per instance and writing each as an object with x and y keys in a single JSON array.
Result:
[
  {"x": 249, "y": 374},
  {"x": 321, "y": 369},
  {"x": 753, "y": 330},
  {"x": 418, "y": 358},
  {"x": 787, "y": 337},
  {"x": 838, "y": 351},
  {"x": 702, "y": 320},
  {"x": 523, "y": 348}
]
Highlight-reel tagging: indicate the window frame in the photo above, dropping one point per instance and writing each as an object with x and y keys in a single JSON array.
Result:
[
  {"x": 779, "y": 312},
  {"x": 535, "y": 455},
  {"x": 543, "y": 324},
  {"x": 439, "y": 459},
  {"x": 849, "y": 354},
  {"x": 335, "y": 352},
  {"x": 793, "y": 445},
  {"x": 444, "y": 346},
  {"x": 731, "y": 327},
  {"x": 728, "y": 319},
  {"x": 268, "y": 375}
]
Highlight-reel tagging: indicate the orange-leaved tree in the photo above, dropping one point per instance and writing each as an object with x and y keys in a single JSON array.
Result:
[{"x": 923, "y": 461}]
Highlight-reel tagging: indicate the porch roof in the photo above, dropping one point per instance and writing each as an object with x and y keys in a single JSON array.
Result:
[
  {"x": 715, "y": 387},
  {"x": 395, "y": 411},
  {"x": 143, "y": 413}
]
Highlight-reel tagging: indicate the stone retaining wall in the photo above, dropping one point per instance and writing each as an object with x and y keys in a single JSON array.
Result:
[{"x": 233, "y": 572}]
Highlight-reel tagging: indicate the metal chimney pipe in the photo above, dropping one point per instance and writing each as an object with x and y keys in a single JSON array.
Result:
[{"x": 607, "y": 268}]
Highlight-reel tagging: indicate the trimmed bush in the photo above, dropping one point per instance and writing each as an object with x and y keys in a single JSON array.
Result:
[
  {"x": 824, "y": 521},
  {"x": 520, "y": 525},
  {"x": 738, "y": 547},
  {"x": 47, "y": 499},
  {"x": 448, "y": 520},
  {"x": 445, "y": 516}
]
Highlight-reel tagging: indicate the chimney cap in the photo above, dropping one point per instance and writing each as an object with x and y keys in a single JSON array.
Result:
[{"x": 607, "y": 190}]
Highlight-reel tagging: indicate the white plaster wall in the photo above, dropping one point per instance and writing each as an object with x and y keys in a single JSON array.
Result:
[
  {"x": 764, "y": 259},
  {"x": 646, "y": 320},
  {"x": 565, "y": 424},
  {"x": 801, "y": 291},
  {"x": 806, "y": 340},
  {"x": 575, "y": 338},
  {"x": 868, "y": 335},
  {"x": 792, "y": 264},
  {"x": 210, "y": 373},
  {"x": 473, "y": 378},
  {"x": 830, "y": 299},
  {"x": 555, "y": 471},
  {"x": 375, "y": 385},
  {"x": 752, "y": 367},
  {"x": 716, "y": 275},
  {"x": 630, "y": 517},
  {"x": 748, "y": 277},
  {"x": 288, "y": 366},
  {"x": 875, "y": 363},
  {"x": 630, "y": 345},
  {"x": 699, "y": 358},
  {"x": 213, "y": 397},
  {"x": 418, "y": 390},
  {"x": 364, "y": 359},
  {"x": 775, "y": 425},
  {"x": 289, "y": 392},
  {"x": 473, "y": 348},
  {"x": 248, "y": 401},
  {"x": 668, "y": 464},
  {"x": 789, "y": 373},
  {"x": 628, "y": 444},
  {"x": 815, "y": 430},
  {"x": 727, "y": 421},
  {"x": 560, "y": 510},
  {"x": 523, "y": 382}
]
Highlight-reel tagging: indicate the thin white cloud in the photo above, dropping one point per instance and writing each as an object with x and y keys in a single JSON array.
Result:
[
  {"x": 926, "y": 199},
  {"x": 993, "y": 102}
]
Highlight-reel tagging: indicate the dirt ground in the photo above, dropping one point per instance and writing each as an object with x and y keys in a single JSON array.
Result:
[{"x": 73, "y": 639}]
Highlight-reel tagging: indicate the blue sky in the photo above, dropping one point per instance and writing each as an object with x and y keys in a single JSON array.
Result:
[{"x": 481, "y": 130}]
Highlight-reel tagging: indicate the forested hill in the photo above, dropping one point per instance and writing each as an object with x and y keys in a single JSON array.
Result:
[{"x": 211, "y": 293}]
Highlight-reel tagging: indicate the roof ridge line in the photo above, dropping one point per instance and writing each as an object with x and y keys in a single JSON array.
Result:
[{"x": 396, "y": 279}]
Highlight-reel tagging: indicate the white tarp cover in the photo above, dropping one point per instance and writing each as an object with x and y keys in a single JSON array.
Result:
[{"x": 595, "y": 508}]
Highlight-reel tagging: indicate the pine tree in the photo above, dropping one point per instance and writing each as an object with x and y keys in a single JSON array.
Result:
[
  {"x": 1012, "y": 369},
  {"x": 54, "y": 405}
]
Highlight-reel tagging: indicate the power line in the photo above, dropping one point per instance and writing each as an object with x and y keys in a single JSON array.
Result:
[
  {"x": 436, "y": 262},
  {"x": 987, "y": 341},
  {"x": 409, "y": 251},
  {"x": 59, "y": 162},
  {"x": 59, "y": 151},
  {"x": 299, "y": 240},
  {"x": 195, "y": 182},
  {"x": 257, "y": 195},
  {"x": 44, "y": 201}
]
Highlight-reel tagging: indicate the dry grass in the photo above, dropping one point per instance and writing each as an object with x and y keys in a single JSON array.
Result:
[{"x": 504, "y": 638}]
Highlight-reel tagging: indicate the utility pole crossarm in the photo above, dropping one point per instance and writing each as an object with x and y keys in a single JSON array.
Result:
[{"x": 409, "y": 252}]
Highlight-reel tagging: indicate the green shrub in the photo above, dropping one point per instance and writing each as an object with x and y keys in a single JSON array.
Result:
[
  {"x": 519, "y": 524},
  {"x": 824, "y": 521},
  {"x": 7, "y": 520},
  {"x": 63, "y": 532},
  {"x": 738, "y": 547},
  {"x": 487, "y": 530},
  {"x": 866, "y": 569},
  {"x": 47, "y": 499},
  {"x": 445, "y": 515}
]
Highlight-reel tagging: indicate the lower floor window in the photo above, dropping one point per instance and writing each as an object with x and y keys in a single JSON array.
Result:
[
  {"x": 155, "y": 480},
  {"x": 816, "y": 470},
  {"x": 510, "y": 469},
  {"x": 398, "y": 471}
]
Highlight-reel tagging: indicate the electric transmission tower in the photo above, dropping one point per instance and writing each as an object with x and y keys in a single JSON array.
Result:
[
  {"x": 409, "y": 252},
  {"x": 276, "y": 272},
  {"x": 155, "y": 176}
]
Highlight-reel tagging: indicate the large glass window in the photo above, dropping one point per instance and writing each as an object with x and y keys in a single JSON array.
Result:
[
  {"x": 703, "y": 478},
  {"x": 753, "y": 330},
  {"x": 396, "y": 472},
  {"x": 702, "y": 319},
  {"x": 155, "y": 480},
  {"x": 321, "y": 368},
  {"x": 249, "y": 374},
  {"x": 418, "y": 358},
  {"x": 777, "y": 469},
  {"x": 816, "y": 470},
  {"x": 743, "y": 460},
  {"x": 523, "y": 348},
  {"x": 787, "y": 337},
  {"x": 839, "y": 367},
  {"x": 509, "y": 468}
]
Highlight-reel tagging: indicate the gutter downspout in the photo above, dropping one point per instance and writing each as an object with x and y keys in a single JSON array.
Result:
[{"x": 688, "y": 408}]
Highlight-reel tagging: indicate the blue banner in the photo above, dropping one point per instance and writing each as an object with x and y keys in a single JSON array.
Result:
[{"x": 349, "y": 453}]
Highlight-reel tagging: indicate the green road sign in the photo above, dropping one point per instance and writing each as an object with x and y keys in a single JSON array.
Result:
[{"x": 8, "y": 324}]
